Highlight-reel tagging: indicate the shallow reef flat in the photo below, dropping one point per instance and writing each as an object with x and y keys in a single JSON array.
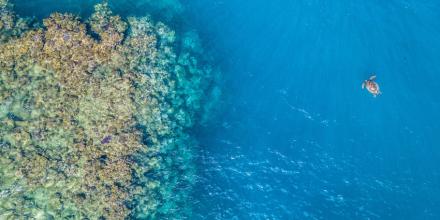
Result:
[{"x": 95, "y": 116}]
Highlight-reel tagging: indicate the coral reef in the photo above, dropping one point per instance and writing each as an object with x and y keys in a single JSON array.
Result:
[
  {"x": 10, "y": 25},
  {"x": 96, "y": 125}
]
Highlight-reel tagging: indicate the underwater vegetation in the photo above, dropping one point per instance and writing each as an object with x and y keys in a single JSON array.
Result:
[{"x": 95, "y": 116}]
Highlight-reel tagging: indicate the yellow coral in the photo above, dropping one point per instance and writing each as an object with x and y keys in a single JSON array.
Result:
[{"x": 93, "y": 123}]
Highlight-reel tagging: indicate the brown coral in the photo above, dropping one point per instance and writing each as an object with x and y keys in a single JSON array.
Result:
[{"x": 84, "y": 121}]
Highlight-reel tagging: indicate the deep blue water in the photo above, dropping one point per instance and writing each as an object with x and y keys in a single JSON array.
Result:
[
  {"x": 295, "y": 136},
  {"x": 298, "y": 138}
]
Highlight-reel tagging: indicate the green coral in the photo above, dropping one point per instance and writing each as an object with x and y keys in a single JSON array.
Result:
[{"x": 97, "y": 127}]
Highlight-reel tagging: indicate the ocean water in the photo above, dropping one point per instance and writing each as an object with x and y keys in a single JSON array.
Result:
[
  {"x": 299, "y": 138},
  {"x": 294, "y": 135}
]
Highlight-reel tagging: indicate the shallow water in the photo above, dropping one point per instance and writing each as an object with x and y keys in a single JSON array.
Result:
[{"x": 295, "y": 136}]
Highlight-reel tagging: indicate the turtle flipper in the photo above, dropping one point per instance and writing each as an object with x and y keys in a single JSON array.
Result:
[{"x": 373, "y": 77}]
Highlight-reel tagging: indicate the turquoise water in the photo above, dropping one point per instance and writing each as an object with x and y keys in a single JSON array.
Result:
[{"x": 295, "y": 136}]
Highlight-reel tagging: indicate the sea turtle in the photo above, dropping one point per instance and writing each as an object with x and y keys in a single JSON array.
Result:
[{"x": 372, "y": 86}]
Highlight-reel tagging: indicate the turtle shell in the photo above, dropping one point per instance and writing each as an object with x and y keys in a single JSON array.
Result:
[{"x": 372, "y": 87}]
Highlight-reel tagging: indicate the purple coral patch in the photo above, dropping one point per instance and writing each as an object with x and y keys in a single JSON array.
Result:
[
  {"x": 106, "y": 139},
  {"x": 66, "y": 36}
]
